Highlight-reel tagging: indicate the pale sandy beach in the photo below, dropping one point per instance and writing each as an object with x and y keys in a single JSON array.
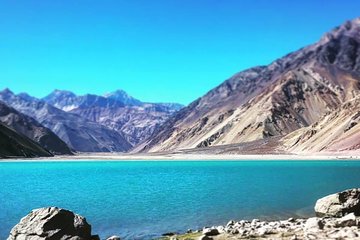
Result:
[{"x": 192, "y": 157}]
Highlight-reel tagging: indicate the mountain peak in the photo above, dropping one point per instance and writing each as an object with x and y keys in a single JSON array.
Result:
[
  {"x": 118, "y": 92},
  {"x": 122, "y": 96},
  {"x": 6, "y": 91},
  {"x": 59, "y": 92},
  {"x": 27, "y": 97},
  {"x": 350, "y": 28}
]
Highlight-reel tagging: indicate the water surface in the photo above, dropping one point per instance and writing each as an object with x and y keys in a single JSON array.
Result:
[{"x": 140, "y": 200}]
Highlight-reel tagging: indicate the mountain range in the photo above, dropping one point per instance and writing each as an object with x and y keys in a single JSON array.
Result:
[
  {"x": 63, "y": 122},
  {"x": 30, "y": 128},
  {"x": 304, "y": 102},
  {"x": 135, "y": 119}
]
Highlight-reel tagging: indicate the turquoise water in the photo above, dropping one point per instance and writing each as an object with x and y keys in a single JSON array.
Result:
[{"x": 140, "y": 200}]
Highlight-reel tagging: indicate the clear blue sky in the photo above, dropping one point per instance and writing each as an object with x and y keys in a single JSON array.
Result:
[{"x": 158, "y": 50}]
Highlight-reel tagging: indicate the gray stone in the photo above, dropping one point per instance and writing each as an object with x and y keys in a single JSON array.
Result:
[
  {"x": 113, "y": 238},
  {"x": 210, "y": 232},
  {"x": 339, "y": 204},
  {"x": 51, "y": 223},
  {"x": 230, "y": 223},
  {"x": 347, "y": 221},
  {"x": 313, "y": 224},
  {"x": 204, "y": 237},
  {"x": 95, "y": 237},
  {"x": 169, "y": 234}
]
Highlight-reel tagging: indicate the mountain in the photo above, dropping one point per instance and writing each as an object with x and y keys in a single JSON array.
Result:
[
  {"x": 64, "y": 100},
  {"x": 337, "y": 131},
  {"x": 13, "y": 144},
  {"x": 118, "y": 111},
  {"x": 68, "y": 101},
  {"x": 123, "y": 97},
  {"x": 292, "y": 95},
  {"x": 32, "y": 129},
  {"x": 78, "y": 133}
]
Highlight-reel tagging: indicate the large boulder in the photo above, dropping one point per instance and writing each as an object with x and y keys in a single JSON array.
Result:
[
  {"x": 52, "y": 223},
  {"x": 339, "y": 204}
]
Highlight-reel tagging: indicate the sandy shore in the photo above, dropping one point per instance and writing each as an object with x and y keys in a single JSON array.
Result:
[{"x": 190, "y": 157}]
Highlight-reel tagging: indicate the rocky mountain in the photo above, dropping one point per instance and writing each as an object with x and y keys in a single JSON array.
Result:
[
  {"x": 78, "y": 133},
  {"x": 68, "y": 101},
  {"x": 32, "y": 129},
  {"x": 13, "y": 144},
  {"x": 293, "y": 95},
  {"x": 336, "y": 131},
  {"x": 118, "y": 111},
  {"x": 123, "y": 97}
]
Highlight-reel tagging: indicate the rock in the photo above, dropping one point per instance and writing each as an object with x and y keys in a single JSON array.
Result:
[
  {"x": 52, "y": 223},
  {"x": 230, "y": 223},
  {"x": 291, "y": 220},
  {"x": 113, "y": 238},
  {"x": 189, "y": 230},
  {"x": 263, "y": 231},
  {"x": 347, "y": 221},
  {"x": 311, "y": 236},
  {"x": 339, "y": 204},
  {"x": 204, "y": 237},
  {"x": 210, "y": 232},
  {"x": 254, "y": 222},
  {"x": 221, "y": 229},
  {"x": 313, "y": 224},
  {"x": 169, "y": 234}
]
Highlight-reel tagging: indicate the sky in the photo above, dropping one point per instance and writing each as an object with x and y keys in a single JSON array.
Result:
[{"x": 158, "y": 50}]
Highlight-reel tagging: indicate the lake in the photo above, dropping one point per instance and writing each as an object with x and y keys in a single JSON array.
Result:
[{"x": 143, "y": 199}]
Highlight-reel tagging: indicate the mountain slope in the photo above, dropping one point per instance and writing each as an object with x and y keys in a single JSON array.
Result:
[
  {"x": 13, "y": 144},
  {"x": 291, "y": 93},
  {"x": 118, "y": 111},
  {"x": 334, "y": 132},
  {"x": 80, "y": 134},
  {"x": 32, "y": 129}
]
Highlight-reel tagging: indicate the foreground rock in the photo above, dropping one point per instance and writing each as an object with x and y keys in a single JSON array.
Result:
[
  {"x": 346, "y": 227},
  {"x": 338, "y": 218},
  {"x": 339, "y": 204},
  {"x": 52, "y": 223}
]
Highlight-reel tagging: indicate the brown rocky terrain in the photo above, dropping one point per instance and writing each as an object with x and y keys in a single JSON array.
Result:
[
  {"x": 14, "y": 144},
  {"x": 30, "y": 128},
  {"x": 310, "y": 90}
]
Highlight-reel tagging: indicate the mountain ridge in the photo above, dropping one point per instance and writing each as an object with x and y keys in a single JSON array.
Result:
[
  {"x": 14, "y": 144},
  {"x": 274, "y": 100},
  {"x": 30, "y": 128},
  {"x": 80, "y": 134},
  {"x": 117, "y": 111}
]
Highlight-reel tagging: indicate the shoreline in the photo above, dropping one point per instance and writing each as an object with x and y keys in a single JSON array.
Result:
[
  {"x": 345, "y": 227},
  {"x": 82, "y": 157}
]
